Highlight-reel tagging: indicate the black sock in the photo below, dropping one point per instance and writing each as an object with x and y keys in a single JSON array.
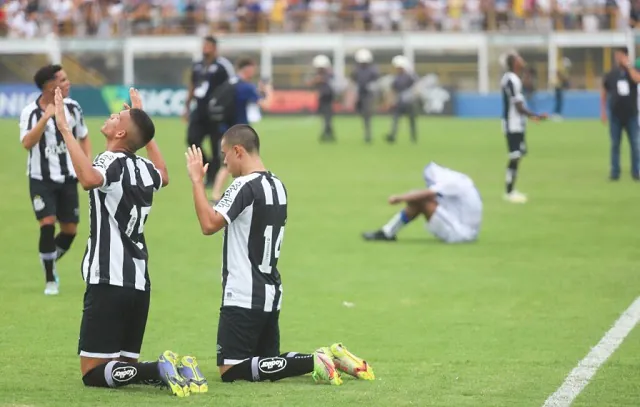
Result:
[
  {"x": 117, "y": 374},
  {"x": 63, "y": 243},
  {"x": 48, "y": 251},
  {"x": 512, "y": 173},
  {"x": 259, "y": 369}
]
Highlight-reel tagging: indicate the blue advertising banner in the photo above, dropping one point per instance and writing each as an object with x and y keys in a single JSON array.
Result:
[
  {"x": 13, "y": 98},
  {"x": 158, "y": 101},
  {"x": 169, "y": 102},
  {"x": 576, "y": 105}
]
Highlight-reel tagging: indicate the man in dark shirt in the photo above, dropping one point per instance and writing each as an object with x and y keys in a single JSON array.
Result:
[
  {"x": 402, "y": 85},
  {"x": 364, "y": 77},
  {"x": 206, "y": 75},
  {"x": 322, "y": 81},
  {"x": 619, "y": 102}
]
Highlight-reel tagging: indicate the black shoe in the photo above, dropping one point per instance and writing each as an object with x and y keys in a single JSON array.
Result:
[
  {"x": 390, "y": 139},
  {"x": 378, "y": 235},
  {"x": 635, "y": 177},
  {"x": 614, "y": 178}
]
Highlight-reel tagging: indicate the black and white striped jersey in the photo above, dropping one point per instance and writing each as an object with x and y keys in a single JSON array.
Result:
[
  {"x": 255, "y": 208},
  {"x": 116, "y": 251},
  {"x": 49, "y": 160},
  {"x": 512, "y": 120}
]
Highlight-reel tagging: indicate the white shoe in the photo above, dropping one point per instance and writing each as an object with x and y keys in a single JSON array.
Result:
[
  {"x": 51, "y": 288},
  {"x": 516, "y": 197}
]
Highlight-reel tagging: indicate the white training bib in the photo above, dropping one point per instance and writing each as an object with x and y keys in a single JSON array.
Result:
[{"x": 623, "y": 87}]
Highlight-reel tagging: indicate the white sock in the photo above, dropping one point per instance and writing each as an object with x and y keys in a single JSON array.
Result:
[{"x": 394, "y": 225}]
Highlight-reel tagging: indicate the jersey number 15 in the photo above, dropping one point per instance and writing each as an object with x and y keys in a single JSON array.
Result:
[{"x": 267, "y": 259}]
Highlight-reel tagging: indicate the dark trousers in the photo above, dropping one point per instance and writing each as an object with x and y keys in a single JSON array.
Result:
[
  {"x": 616, "y": 126},
  {"x": 364, "y": 106},
  {"x": 400, "y": 110},
  {"x": 199, "y": 129},
  {"x": 325, "y": 109},
  {"x": 557, "y": 109}
]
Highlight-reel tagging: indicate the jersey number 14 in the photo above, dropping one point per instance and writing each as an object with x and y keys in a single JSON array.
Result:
[{"x": 267, "y": 258}]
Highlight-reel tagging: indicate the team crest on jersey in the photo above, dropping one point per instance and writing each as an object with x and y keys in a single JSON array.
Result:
[{"x": 38, "y": 203}]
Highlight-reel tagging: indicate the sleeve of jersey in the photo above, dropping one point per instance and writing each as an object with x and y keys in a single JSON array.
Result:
[
  {"x": 235, "y": 199},
  {"x": 110, "y": 167},
  {"x": 516, "y": 91},
  {"x": 447, "y": 188},
  {"x": 81, "y": 130},
  {"x": 27, "y": 121}
]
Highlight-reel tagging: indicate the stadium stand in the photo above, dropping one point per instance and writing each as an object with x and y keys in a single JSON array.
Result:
[{"x": 105, "y": 18}]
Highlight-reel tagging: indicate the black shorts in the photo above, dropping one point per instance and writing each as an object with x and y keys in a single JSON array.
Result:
[
  {"x": 200, "y": 128},
  {"x": 517, "y": 145},
  {"x": 245, "y": 333},
  {"x": 50, "y": 198},
  {"x": 113, "y": 321}
]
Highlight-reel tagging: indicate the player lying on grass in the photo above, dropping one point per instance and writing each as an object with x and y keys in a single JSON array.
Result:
[
  {"x": 451, "y": 203},
  {"x": 115, "y": 266},
  {"x": 253, "y": 213}
]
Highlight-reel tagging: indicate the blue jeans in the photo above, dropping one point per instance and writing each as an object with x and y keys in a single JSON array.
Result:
[{"x": 616, "y": 126}]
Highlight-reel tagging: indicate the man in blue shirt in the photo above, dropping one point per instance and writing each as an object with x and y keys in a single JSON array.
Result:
[{"x": 247, "y": 101}]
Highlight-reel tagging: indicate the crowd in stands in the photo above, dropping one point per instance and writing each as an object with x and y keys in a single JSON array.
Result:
[{"x": 79, "y": 18}]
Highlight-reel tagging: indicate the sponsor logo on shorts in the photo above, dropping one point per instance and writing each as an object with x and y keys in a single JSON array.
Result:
[
  {"x": 38, "y": 203},
  {"x": 124, "y": 373},
  {"x": 272, "y": 365},
  {"x": 218, "y": 349}
]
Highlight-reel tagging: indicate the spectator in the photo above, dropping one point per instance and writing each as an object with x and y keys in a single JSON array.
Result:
[{"x": 277, "y": 15}]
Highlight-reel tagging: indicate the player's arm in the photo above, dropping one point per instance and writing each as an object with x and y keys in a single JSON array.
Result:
[
  {"x": 413, "y": 196},
  {"x": 88, "y": 176},
  {"x": 515, "y": 92},
  {"x": 603, "y": 104},
  {"x": 153, "y": 151},
  {"x": 80, "y": 130},
  {"x": 31, "y": 137},
  {"x": 263, "y": 95},
  {"x": 210, "y": 220},
  {"x": 189, "y": 99},
  {"x": 155, "y": 156}
]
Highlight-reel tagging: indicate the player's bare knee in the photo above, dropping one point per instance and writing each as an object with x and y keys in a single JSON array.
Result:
[
  {"x": 49, "y": 220},
  {"x": 225, "y": 377},
  {"x": 69, "y": 228}
]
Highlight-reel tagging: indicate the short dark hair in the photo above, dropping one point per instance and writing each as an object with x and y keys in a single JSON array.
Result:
[
  {"x": 244, "y": 135},
  {"x": 211, "y": 39},
  {"x": 244, "y": 62},
  {"x": 45, "y": 74},
  {"x": 145, "y": 129},
  {"x": 624, "y": 50}
]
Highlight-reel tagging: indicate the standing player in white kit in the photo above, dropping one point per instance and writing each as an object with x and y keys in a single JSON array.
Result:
[{"x": 451, "y": 203}]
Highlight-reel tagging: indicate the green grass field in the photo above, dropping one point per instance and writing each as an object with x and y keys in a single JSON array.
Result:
[{"x": 497, "y": 323}]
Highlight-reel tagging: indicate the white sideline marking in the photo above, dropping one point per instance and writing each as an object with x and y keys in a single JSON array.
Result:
[{"x": 587, "y": 367}]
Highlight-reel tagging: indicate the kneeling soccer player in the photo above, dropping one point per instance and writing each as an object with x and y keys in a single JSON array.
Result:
[
  {"x": 253, "y": 213},
  {"x": 451, "y": 203},
  {"x": 122, "y": 186}
]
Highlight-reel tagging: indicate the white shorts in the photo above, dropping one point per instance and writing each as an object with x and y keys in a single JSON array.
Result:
[{"x": 447, "y": 228}]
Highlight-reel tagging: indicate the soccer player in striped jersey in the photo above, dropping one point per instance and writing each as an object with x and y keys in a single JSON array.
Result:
[
  {"x": 253, "y": 213},
  {"x": 451, "y": 204},
  {"x": 514, "y": 122},
  {"x": 53, "y": 184},
  {"x": 115, "y": 265}
]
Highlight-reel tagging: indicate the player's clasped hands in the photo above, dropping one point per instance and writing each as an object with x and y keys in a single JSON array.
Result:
[
  {"x": 136, "y": 100},
  {"x": 195, "y": 166},
  {"x": 61, "y": 118}
]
